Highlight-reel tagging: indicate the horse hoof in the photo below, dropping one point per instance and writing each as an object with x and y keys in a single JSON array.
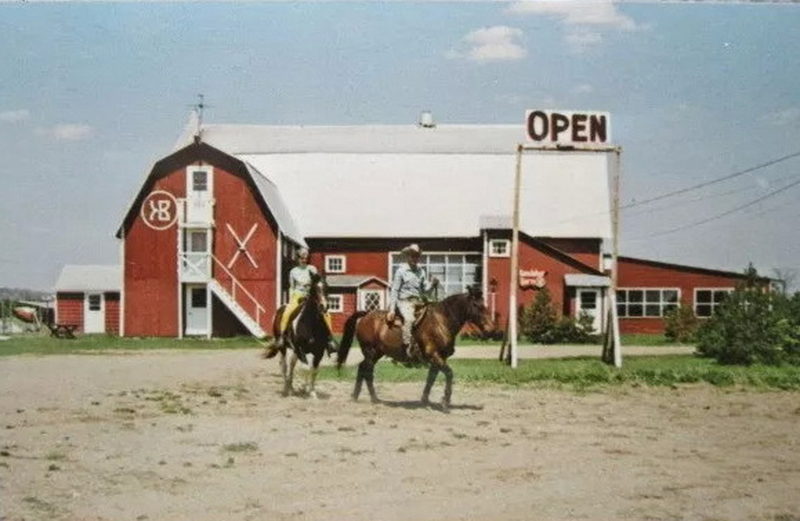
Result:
[
  {"x": 354, "y": 398},
  {"x": 313, "y": 395},
  {"x": 446, "y": 407},
  {"x": 375, "y": 400}
]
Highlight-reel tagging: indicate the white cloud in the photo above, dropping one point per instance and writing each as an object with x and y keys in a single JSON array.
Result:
[
  {"x": 66, "y": 132},
  {"x": 784, "y": 117},
  {"x": 595, "y": 13},
  {"x": 491, "y": 44},
  {"x": 14, "y": 116}
]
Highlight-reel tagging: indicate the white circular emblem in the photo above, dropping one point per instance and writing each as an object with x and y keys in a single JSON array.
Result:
[{"x": 159, "y": 210}]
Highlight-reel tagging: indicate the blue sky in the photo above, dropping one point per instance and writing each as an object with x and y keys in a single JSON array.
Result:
[{"x": 92, "y": 94}]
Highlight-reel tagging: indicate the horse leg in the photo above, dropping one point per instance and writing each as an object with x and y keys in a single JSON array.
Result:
[
  {"x": 448, "y": 386},
  {"x": 284, "y": 371},
  {"x": 360, "y": 372},
  {"x": 287, "y": 384},
  {"x": 433, "y": 372},
  {"x": 370, "y": 377},
  {"x": 312, "y": 376}
]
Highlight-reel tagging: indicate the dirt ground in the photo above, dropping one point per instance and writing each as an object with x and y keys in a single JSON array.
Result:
[{"x": 205, "y": 436}]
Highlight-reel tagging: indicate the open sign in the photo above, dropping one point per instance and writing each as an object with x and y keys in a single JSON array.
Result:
[{"x": 568, "y": 128}]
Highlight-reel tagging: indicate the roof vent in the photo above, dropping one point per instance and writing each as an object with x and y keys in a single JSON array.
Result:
[{"x": 426, "y": 119}]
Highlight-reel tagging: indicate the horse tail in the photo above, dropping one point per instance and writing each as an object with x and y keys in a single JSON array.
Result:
[{"x": 347, "y": 338}]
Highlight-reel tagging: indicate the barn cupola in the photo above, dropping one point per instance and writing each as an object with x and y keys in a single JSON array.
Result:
[{"x": 426, "y": 119}]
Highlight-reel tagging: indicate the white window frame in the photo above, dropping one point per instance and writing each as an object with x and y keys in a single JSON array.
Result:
[
  {"x": 362, "y": 295},
  {"x": 329, "y": 258},
  {"x": 661, "y": 302},
  {"x": 209, "y": 170},
  {"x": 713, "y": 304},
  {"x": 338, "y": 298},
  {"x": 442, "y": 286},
  {"x": 505, "y": 242}
]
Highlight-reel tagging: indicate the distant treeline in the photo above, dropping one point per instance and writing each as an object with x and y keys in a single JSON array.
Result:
[{"x": 23, "y": 294}]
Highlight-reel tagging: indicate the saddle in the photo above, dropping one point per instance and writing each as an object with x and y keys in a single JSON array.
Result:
[{"x": 420, "y": 310}]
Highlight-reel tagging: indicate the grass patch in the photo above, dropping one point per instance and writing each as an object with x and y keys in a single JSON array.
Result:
[
  {"x": 88, "y": 344},
  {"x": 583, "y": 373},
  {"x": 644, "y": 339},
  {"x": 247, "y": 446}
]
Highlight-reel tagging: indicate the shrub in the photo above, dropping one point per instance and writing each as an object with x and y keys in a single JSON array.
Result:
[
  {"x": 540, "y": 323},
  {"x": 538, "y": 320},
  {"x": 680, "y": 324},
  {"x": 753, "y": 326}
]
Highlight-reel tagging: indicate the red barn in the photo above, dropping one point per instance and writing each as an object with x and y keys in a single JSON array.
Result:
[{"x": 210, "y": 235}]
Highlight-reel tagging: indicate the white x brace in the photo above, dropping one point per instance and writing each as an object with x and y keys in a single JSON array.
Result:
[{"x": 242, "y": 246}]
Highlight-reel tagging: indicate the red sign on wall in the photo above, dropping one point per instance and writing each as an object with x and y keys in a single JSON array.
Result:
[
  {"x": 159, "y": 210},
  {"x": 532, "y": 278}
]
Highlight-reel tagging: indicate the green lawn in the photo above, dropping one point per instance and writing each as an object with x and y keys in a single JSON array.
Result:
[
  {"x": 582, "y": 373},
  {"x": 46, "y": 345},
  {"x": 628, "y": 339}
]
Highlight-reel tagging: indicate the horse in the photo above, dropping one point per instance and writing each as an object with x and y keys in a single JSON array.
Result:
[
  {"x": 435, "y": 333},
  {"x": 307, "y": 334}
]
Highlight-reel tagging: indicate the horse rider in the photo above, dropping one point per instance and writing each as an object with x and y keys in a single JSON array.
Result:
[
  {"x": 409, "y": 285},
  {"x": 299, "y": 287}
]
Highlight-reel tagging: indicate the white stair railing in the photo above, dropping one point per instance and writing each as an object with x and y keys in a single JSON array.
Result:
[{"x": 259, "y": 309}]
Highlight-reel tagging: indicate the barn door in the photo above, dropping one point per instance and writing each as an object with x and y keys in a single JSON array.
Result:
[
  {"x": 94, "y": 313},
  {"x": 196, "y": 304},
  {"x": 591, "y": 303}
]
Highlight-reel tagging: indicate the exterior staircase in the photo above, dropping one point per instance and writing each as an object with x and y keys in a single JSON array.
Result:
[{"x": 238, "y": 311}]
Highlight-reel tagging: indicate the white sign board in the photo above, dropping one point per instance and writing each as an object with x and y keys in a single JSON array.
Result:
[{"x": 551, "y": 127}]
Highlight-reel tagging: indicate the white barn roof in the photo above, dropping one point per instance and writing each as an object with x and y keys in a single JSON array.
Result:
[
  {"x": 89, "y": 278},
  {"x": 408, "y": 181}
]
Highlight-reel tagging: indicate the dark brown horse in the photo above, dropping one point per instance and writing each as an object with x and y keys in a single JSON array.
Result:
[
  {"x": 307, "y": 336},
  {"x": 435, "y": 334}
]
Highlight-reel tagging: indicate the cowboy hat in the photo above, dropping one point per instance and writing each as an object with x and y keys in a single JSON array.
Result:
[{"x": 412, "y": 249}]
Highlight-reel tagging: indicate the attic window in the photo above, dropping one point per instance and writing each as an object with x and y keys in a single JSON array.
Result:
[
  {"x": 335, "y": 264},
  {"x": 199, "y": 181},
  {"x": 499, "y": 248}
]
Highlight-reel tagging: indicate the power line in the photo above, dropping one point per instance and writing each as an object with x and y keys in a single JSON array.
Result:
[
  {"x": 721, "y": 215},
  {"x": 711, "y": 182}
]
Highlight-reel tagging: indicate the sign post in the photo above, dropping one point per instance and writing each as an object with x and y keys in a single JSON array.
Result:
[{"x": 561, "y": 131}]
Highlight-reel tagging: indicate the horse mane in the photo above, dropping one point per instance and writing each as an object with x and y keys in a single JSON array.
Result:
[{"x": 454, "y": 309}]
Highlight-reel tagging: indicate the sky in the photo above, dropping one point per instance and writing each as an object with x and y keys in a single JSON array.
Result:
[{"x": 91, "y": 95}]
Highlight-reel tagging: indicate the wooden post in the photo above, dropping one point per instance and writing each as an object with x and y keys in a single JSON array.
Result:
[
  {"x": 617, "y": 346},
  {"x": 514, "y": 278}
]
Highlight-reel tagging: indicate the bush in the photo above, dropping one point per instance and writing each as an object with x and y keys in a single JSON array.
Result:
[
  {"x": 540, "y": 323},
  {"x": 680, "y": 324},
  {"x": 753, "y": 326}
]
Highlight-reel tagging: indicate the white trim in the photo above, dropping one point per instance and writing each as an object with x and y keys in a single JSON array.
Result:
[
  {"x": 505, "y": 255},
  {"x": 644, "y": 302},
  {"x": 727, "y": 289},
  {"x": 485, "y": 276},
  {"x": 209, "y": 315},
  {"x": 209, "y": 170},
  {"x": 332, "y": 258},
  {"x": 180, "y": 285},
  {"x": 121, "y": 324},
  {"x": 86, "y": 310},
  {"x": 361, "y": 295},
  {"x": 279, "y": 269},
  {"x": 337, "y": 297}
]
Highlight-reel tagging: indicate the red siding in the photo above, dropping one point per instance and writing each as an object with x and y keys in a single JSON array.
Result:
[
  {"x": 112, "y": 312},
  {"x": 348, "y": 306},
  {"x": 634, "y": 274},
  {"x": 237, "y": 208},
  {"x": 69, "y": 309},
  {"x": 151, "y": 273},
  {"x": 585, "y": 250}
]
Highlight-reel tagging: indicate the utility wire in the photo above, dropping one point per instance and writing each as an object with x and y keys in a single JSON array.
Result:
[
  {"x": 721, "y": 215},
  {"x": 711, "y": 182}
]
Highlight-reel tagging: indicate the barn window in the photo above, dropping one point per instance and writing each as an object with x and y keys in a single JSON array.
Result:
[
  {"x": 454, "y": 271},
  {"x": 499, "y": 248},
  {"x": 335, "y": 264},
  {"x": 199, "y": 181},
  {"x": 335, "y": 303},
  {"x": 646, "y": 302},
  {"x": 706, "y": 301}
]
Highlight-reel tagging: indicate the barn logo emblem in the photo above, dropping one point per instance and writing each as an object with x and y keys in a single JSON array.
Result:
[
  {"x": 532, "y": 278},
  {"x": 159, "y": 210}
]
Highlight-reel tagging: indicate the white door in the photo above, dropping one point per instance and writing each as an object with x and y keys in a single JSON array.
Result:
[
  {"x": 196, "y": 304},
  {"x": 371, "y": 299},
  {"x": 94, "y": 313},
  {"x": 590, "y": 302},
  {"x": 199, "y": 194}
]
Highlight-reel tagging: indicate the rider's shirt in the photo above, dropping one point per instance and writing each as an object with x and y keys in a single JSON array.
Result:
[
  {"x": 300, "y": 280},
  {"x": 408, "y": 283}
]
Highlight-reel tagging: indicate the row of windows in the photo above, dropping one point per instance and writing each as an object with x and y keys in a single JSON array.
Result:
[
  {"x": 656, "y": 302},
  {"x": 368, "y": 300}
]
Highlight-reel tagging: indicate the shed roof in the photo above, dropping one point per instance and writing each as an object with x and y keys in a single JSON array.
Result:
[
  {"x": 352, "y": 281},
  {"x": 89, "y": 278},
  {"x": 407, "y": 181}
]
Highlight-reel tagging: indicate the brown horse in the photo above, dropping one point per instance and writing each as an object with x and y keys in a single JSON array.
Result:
[{"x": 435, "y": 334}]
